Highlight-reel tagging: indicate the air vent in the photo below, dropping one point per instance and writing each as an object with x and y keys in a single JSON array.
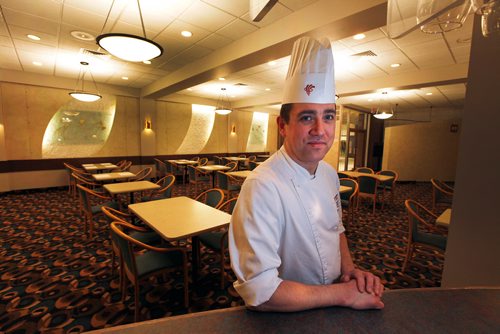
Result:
[
  {"x": 365, "y": 54},
  {"x": 92, "y": 52}
]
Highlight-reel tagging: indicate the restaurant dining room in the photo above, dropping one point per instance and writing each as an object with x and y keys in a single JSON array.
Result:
[{"x": 129, "y": 128}]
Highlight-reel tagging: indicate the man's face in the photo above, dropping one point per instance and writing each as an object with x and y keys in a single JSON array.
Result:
[{"x": 309, "y": 133}]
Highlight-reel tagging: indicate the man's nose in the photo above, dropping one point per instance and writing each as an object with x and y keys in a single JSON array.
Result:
[{"x": 318, "y": 128}]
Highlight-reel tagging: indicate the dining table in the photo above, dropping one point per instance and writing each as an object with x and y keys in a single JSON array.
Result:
[
  {"x": 444, "y": 218},
  {"x": 423, "y": 310},
  {"x": 178, "y": 218},
  {"x": 130, "y": 187},
  {"x": 213, "y": 169},
  {"x": 99, "y": 167},
  {"x": 113, "y": 176},
  {"x": 240, "y": 173},
  {"x": 183, "y": 163},
  {"x": 381, "y": 178}
]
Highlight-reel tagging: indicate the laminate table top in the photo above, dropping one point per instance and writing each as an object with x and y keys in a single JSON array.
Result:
[
  {"x": 444, "y": 218},
  {"x": 381, "y": 178},
  {"x": 113, "y": 176}
]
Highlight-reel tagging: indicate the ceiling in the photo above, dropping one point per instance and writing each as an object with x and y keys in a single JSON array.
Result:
[{"x": 432, "y": 71}]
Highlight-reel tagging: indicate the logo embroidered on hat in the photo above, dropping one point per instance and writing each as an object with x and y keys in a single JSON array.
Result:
[{"x": 309, "y": 88}]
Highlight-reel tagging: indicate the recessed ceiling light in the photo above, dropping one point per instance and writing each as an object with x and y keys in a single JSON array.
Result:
[
  {"x": 190, "y": 89},
  {"x": 222, "y": 79},
  {"x": 359, "y": 36},
  {"x": 370, "y": 100},
  {"x": 37, "y": 63},
  {"x": 33, "y": 37},
  {"x": 83, "y": 36},
  {"x": 148, "y": 62},
  {"x": 124, "y": 78},
  {"x": 395, "y": 65},
  {"x": 268, "y": 89},
  {"x": 186, "y": 33},
  {"x": 428, "y": 93},
  {"x": 271, "y": 63}
]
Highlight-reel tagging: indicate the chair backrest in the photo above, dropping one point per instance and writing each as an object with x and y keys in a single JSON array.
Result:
[
  {"x": 167, "y": 184},
  {"x": 203, "y": 162},
  {"x": 228, "y": 206},
  {"x": 161, "y": 167},
  {"x": 366, "y": 170},
  {"x": 342, "y": 175},
  {"x": 191, "y": 173},
  {"x": 122, "y": 241},
  {"x": 242, "y": 156},
  {"x": 84, "y": 193},
  {"x": 81, "y": 178},
  {"x": 218, "y": 160},
  {"x": 252, "y": 165},
  {"x": 349, "y": 195},
  {"x": 72, "y": 168},
  {"x": 367, "y": 184},
  {"x": 142, "y": 174},
  {"x": 389, "y": 173},
  {"x": 126, "y": 166},
  {"x": 212, "y": 197},
  {"x": 195, "y": 159},
  {"x": 222, "y": 180},
  {"x": 412, "y": 208},
  {"x": 233, "y": 165},
  {"x": 252, "y": 158},
  {"x": 115, "y": 215}
]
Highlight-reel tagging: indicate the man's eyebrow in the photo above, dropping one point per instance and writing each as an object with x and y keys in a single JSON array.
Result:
[
  {"x": 306, "y": 112},
  {"x": 330, "y": 111}
]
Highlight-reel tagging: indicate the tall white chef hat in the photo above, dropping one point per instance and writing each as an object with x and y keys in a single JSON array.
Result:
[{"x": 310, "y": 77}]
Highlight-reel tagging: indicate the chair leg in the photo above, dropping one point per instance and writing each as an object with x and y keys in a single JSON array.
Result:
[
  {"x": 409, "y": 253},
  {"x": 136, "y": 301},
  {"x": 222, "y": 268}
]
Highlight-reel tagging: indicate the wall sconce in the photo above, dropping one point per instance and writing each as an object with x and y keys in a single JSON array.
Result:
[
  {"x": 233, "y": 129},
  {"x": 147, "y": 125}
]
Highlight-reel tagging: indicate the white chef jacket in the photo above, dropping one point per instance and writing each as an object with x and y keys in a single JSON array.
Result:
[{"x": 285, "y": 226}]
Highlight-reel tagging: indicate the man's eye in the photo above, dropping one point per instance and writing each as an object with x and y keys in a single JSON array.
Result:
[
  {"x": 306, "y": 118},
  {"x": 330, "y": 117}
]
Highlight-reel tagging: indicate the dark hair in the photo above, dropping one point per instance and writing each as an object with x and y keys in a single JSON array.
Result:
[{"x": 285, "y": 111}]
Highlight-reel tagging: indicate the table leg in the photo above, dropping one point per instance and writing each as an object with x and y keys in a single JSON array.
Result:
[{"x": 195, "y": 258}]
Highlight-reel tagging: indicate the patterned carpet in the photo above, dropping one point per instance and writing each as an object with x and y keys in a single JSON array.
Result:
[{"x": 53, "y": 280}]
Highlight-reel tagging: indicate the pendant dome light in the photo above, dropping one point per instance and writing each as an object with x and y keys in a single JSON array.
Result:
[
  {"x": 81, "y": 94},
  {"x": 223, "y": 106},
  {"x": 384, "y": 110},
  {"x": 129, "y": 47}
]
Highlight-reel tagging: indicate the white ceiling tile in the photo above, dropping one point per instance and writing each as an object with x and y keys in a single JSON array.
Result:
[
  {"x": 206, "y": 16},
  {"x": 92, "y": 21},
  {"x": 100, "y": 7},
  {"x": 233, "y": 7},
  {"x": 48, "y": 9},
  {"x": 30, "y": 21},
  {"x": 215, "y": 41},
  {"x": 237, "y": 29},
  {"x": 296, "y": 4},
  {"x": 6, "y": 42},
  {"x": 378, "y": 46},
  {"x": 36, "y": 48},
  {"x": 174, "y": 31},
  {"x": 21, "y": 33},
  {"x": 370, "y": 36}
]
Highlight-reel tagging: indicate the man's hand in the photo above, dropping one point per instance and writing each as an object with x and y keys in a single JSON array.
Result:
[{"x": 365, "y": 281}]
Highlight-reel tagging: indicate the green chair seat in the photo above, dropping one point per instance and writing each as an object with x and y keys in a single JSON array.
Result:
[
  {"x": 435, "y": 240},
  {"x": 151, "y": 262},
  {"x": 213, "y": 239}
]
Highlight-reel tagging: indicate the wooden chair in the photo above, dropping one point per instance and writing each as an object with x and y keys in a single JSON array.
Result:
[
  {"x": 167, "y": 185},
  {"x": 441, "y": 194},
  {"x": 198, "y": 176},
  {"x": 343, "y": 176},
  {"x": 142, "y": 234},
  {"x": 161, "y": 168},
  {"x": 124, "y": 167},
  {"x": 227, "y": 183},
  {"x": 176, "y": 170},
  {"x": 71, "y": 180},
  {"x": 203, "y": 162},
  {"x": 233, "y": 165},
  {"x": 85, "y": 179},
  {"x": 422, "y": 231},
  {"x": 349, "y": 199},
  {"x": 252, "y": 165},
  {"x": 142, "y": 174},
  {"x": 212, "y": 197},
  {"x": 149, "y": 261},
  {"x": 90, "y": 208},
  {"x": 368, "y": 188},
  {"x": 366, "y": 170},
  {"x": 388, "y": 185},
  {"x": 217, "y": 240}
]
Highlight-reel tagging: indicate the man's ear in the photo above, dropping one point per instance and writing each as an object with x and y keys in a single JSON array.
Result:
[{"x": 281, "y": 126}]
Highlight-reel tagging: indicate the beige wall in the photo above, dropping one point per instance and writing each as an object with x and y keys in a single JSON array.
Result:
[
  {"x": 26, "y": 110},
  {"x": 421, "y": 151}
]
